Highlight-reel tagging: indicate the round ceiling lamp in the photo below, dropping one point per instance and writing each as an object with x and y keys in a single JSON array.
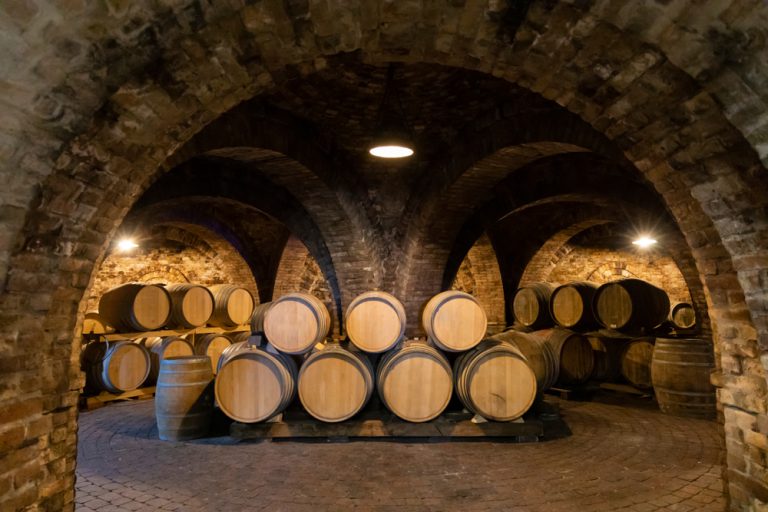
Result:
[{"x": 392, "y": 137}]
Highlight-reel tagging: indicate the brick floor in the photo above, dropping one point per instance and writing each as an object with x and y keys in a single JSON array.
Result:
[{"x": 619, "y": 457}]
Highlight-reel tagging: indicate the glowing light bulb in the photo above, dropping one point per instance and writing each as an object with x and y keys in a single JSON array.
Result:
[
  {"x": 126, "y": 244},
  {"x": 392, "y": 151},
  {"x": 644, "y": 242}
]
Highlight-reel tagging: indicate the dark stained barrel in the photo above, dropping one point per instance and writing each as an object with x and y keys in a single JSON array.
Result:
[
  {"x": 680, "y": 372},
  {"x": 608, "y": 353},
  {"x": 573, "y": 353},
  {"x": 630, "y": 305},
  {"x": 682, "y": 315},
  {"x": 636, "y": 362}
]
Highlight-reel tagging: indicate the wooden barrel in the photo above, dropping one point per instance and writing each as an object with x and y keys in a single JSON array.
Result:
[
  {"x": 636, "y": 363},
  {"x": 454, "y": 321},
  {"x": 538, "y": 354},
  {"x": 573, "y": 353},
  {"x": 530, "y": 305},
  {"x": 294, "y": 323},
  {"x": 211, "y": 345},
  {"x": 184, "y": 398},
  {"x": 608, "y": 353},
  {"x": 494, "y": 380},
  {"x": 375, "y": 321},
  {"x": 191, "y": 305},
  {"x": 160, "y": 348},
  {"x": 237, "y": 337},
  {"x": 630, "y": 305},
  {"x": 136, "y": 307},
  {"x": 415, "y": 381},
  {"x": 571, "y": 305},
  {"x": 94, "y": 324},
  {"x": 682, "y": 315},
  {"x": 335, "y": 383},
  {"x": 232, "y": 305},
  {"x": 680, "y": 372},
  {"x": 257, "y": 318},
  {"x": 115, "y": 366},
  {"x": 254, "y": 384}
]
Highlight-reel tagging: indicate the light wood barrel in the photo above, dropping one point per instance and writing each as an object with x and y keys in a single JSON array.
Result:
[
  {"x": 254, "y": 384},
  {"x": 494, "y": 380},
  {"x": 115, "y": 366},
  {"x": 375, "y": 321},
  {"x": 257, "y": 318},
  {"x": 211, "y": 345},
  {"x": 184, "y": 398},
  {"x": 454, "y": 321},
  {"x": 573, "y": 353},
  {"x": 608, "y": 353},
  {"x": 232, "y": 305},
  {"x": 415, "y": 381},
  {"x": 538, "y": 354},
  {"x": 680, "y": 372},
  {"x": 136, "y": 307},
  {"x": 335, "y": 383},
  {"x": 160, "y": 348},
  {"x": 294, "y": 323},
  {"x": 682, "y": 315},
  {"x": 636, "y": 363},
  {"x": 237, "y": 337},
  {"x": 630, "y": 305},
  {"x": 530, "y": 305},
  {"x": 571, "y": 305},
  {"x": 94, "y": 324},
  {"x": 191, "y": 305}
]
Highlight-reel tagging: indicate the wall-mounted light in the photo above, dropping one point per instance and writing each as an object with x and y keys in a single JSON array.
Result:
[
  {"x": 644, "y": 242},
  {"x": 392, "y": 138},
  {"x": 126, "y": 244}
]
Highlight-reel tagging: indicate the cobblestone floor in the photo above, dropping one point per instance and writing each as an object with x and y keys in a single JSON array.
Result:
[{"x": 618, "y": 457}]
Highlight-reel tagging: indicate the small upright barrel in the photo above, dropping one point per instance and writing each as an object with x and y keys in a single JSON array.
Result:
[
  {"x": 630, "y": 305},
  {"x": 94, "y": 324},
  {"x": 680, "y": 372},
  {"x": 136, "y": 307},
  {"x": 375, "y": 321},
  {"x": 636, "y": 363},
  {"x": 454, "y": 321},
  {"x": 254, "y": 384},
  {"x": 530, "y": 305},
  {"x": 335, "y": 383},
  {"x": 184, "y": 398},
  {"x": 682, "y": 315},
  {"x": 211, "y": 345},
  {"x": 571, "y": 305},
  {"x": 415, "y": 381},
  {"x": 573, "y": 353},
  {"x": 294, "y": 323},
  {"x": 494, "y": 380},
  {"x": 115, "y": 366},
  {"x": 232, "y": 305},
  {"x": 538, "y": 354},
  {"x": 191, "y": 305},
  {"x": 160, "y": 348}
]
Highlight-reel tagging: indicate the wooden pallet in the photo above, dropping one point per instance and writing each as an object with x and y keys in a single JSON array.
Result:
[
  {"x": 115, "y": 336},
  {"x": 625, "y": 388},
  {"x": 89, "y": 403}
]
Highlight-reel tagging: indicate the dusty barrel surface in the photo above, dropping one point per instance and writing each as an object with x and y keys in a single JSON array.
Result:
[
  {"x": 335, "y": 383},
  {"x": 184, "y": 398},
  {"x": 415, "y": 381},
  {"x": 211, "y": 345},
  {"x": 630, "y": 305},
  {"x": 191, "y": 305},
  {"x": 636, "y": 362},
  {"x": 494, "y": 380},
  {"x": 682, "y": 315},
  {"x": 161, "y": 347},
  {"x": 530, "y": 305},
  {"x": 136, "y": 307},
  {"x": 573, "y": 353},
  {"x": 538, "y": 354},
  {"x": 375, "y": 321},
  {"x": 115, "y": 366},
  {"x": 454, "y": 321},
  {"x": 571, "y": 305},
  {"x": 680, "y": 372},
  {"x": 254, "y": 384},
  {"x": 232, "y": 305},
  {"x": 294, "y": 323}
]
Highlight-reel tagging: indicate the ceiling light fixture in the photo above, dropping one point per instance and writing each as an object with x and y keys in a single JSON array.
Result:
[
  {"x": 644, "y": 242},
  {"x": 126, "y": 244},
  {"x": 393, "y": 137}
]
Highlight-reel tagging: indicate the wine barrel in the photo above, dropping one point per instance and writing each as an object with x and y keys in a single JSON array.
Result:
[
  {"x": 530, "y": 305},
  {"x": 630, "y": 305},
  {"x": 115, "y": 366},
  {"x": 135, "y": 307},
  {"x": 94, "y": 324},
  {"x": 211, "y": 345},
  {"x": 254, "y": 384},
  {"x": 191, "y": 305},
  {"x": 494, "y": 380},
  {"x": 454, "y": 321},
  {"x": 573, "y": 354},
  {"x": 415, "y": 381},
  {"x": 184, "y": 398},
  {"x": 608, "y": 353},
  {"x": 237, "y": 337},
  {"x": 375, "y": 321},
  {"x": 571, "y": 305},
  {"x": 232, "y": 305},
  {"x": 335, "y": 383},
  {"x": 680, "y": 372},
  {"x": 294, "y": 323},
  {"x": 160, "y": 348},
  {"x": 636, "y": 363},
  {"x": 682, "y": 315},
  {"x": 538, "y": 354}
]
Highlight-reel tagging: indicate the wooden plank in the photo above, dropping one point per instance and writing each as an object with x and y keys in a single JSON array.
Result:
[
  {"x": 624, "y": 388},
  {"x": 165, "y": 332},
  {"x": 95, "y": 402}
]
